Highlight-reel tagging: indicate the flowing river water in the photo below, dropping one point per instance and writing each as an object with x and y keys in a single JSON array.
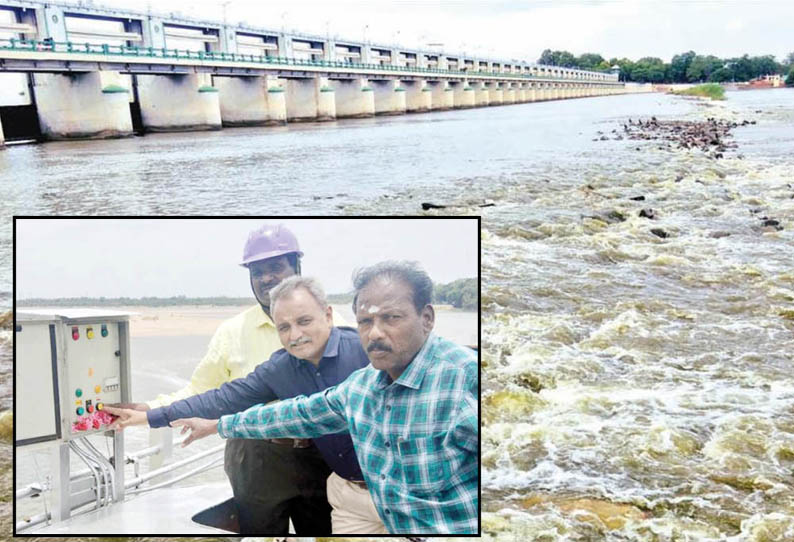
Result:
[{"x": 635, "y": 386}]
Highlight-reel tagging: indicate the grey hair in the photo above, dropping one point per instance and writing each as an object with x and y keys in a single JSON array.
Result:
[
  {"x": 409, "y": 272},
  {"x": 289, "y": 285}
]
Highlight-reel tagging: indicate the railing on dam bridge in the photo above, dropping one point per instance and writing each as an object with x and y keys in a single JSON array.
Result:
[{"x": 99, "y": 72}]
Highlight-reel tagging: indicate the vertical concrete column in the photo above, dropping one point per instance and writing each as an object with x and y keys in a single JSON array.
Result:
[
  {"x": 532, "y": 92},
  {"x": 246, "y": 101},
  {"x": 389, "y": 97},
  {"x": 354, "y": 98},
  {"x": 178, "y": 103},
  {"x": 417, "y": 96},
  {"x": 482, "y": 96},
  {"x": 82, "y": 105},
  {"x": 547, "y": 91},
  {"x": 326, "y": 101},
  {"x": 496, "y": 94},
  {"x": 462, "y": 94},
  {"x": 521, "y": 92},
  {"x": 508, "y": 93},
  {"x": 440, "y": 95},
  {"x": 276, "y": 101},
  {"x": 310, "y": 99}
]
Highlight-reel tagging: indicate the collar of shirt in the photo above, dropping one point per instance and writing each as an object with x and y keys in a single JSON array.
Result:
[
  {"x": 414, "y": 373},
  {"x": 331, "y": 349},
  {"x": 260, "y": 318}
]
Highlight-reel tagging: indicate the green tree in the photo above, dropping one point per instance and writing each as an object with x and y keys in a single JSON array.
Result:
[
  {"x": 721, "y": 75},
  {"x": 679, "y": 66},
  {"x": 589, "y": 61},
  {"x": 557, "y": 58},
  {"x": 701, "y": 68},
  {"x": 790, "y": 78},
  {"x": 649, "y": 70},
  {"x": 764, "y": 65}
]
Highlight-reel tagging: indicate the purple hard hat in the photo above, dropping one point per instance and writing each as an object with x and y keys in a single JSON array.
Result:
[{"x": 268, "y": 242}]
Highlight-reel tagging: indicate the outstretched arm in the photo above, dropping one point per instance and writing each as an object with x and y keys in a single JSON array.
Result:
[
  {"x": 198, "y": 427},
  {"x": 320, "y": 414}
]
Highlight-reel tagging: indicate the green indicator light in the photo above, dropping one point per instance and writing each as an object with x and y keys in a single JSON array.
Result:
[
  {"x": 78, "y": 392},
  {"x": 104, "y": 330},
  {"x": 80, "y": 411}
]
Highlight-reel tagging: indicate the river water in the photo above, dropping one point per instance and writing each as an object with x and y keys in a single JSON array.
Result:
[{"x": 634, "y": 387}]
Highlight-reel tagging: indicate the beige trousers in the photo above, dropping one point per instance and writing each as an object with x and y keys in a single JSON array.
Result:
[{"x": 353, "y": 510}]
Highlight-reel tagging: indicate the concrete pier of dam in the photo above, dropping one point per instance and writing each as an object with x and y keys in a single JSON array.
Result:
[
  {"x": 251, "y": 101},
  {"x": 104, "y": 72},
  {"x": 354, "y": 98},
  {"x": 418, "y": 98},
  {"x": 389, "y": 97},
  {"x": 310, "y": 99},
  {"x": 176, "y": 103},
  {"x": 81, "y": 105}
]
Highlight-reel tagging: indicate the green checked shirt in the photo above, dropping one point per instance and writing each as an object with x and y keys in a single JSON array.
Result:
[{"x": 416, "y": 438}]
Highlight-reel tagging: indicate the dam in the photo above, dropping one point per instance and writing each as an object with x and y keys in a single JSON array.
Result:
[{"x": 91, "y": 72}]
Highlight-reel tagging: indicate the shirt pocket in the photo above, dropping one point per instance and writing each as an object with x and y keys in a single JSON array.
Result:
[{"x": 426, "y": 466}]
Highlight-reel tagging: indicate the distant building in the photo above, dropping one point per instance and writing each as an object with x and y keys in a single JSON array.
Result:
[{"x": 765, "y": 81}]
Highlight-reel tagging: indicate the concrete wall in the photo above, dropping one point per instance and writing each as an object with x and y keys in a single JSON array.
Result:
[
  {"x": 354, "y": 98},
  {"x": 83, "y": 105},
  {"x": 441, "y": 95},
  {"x": 175, "y": 103},
  {"x": 495, "y": 94},
  {"x": 310, "y": 100},
  {"x": 389, "y": 97},
  {"x": 417, "y": 96},
  {"x": 251, "y": 101},
  {"x": 482, "y": 96},
  {"x": 508, "y": 93},
  {"x": 462, "y": 94}
]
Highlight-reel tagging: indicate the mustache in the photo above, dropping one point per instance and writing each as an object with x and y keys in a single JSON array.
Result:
[
  {"x": 378, "y": 346},
  {"x": 298, "y": 342}
]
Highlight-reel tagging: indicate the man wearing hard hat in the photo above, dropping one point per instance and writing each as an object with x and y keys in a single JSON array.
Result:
[{"x": 278, "y": 479}]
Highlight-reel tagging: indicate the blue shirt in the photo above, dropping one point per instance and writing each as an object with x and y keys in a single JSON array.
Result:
[
  {"x": 417, "y": 438},
  {"x": 283, "y": 376}
]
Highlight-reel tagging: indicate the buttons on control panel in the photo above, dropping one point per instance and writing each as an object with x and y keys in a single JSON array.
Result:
[
  {"x": 80, "y": 411},
  {"x": 75, "y": 333},
  {"x": 78, "y": 392},
  {"x": 89, "y": 332},
  {"x": 104, "y": 331}
]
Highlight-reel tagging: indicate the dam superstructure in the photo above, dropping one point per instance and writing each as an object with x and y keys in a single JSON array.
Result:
[{"x": 88, "y": 71}]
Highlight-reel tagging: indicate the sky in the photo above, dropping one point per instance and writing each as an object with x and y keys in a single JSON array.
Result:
[
  {"x": 521, "y": 30},
  {"x": 58, "y": 258}
]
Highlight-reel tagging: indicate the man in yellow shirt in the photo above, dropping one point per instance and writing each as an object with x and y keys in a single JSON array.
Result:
[{"x": 278, "y": 479}]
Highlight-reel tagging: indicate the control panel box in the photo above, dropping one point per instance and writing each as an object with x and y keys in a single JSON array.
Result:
[{"x": 89, "y": 366}]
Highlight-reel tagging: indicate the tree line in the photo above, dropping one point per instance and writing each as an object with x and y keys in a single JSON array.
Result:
[
  {"x": 461, "y": 294},
  {"x": 688, "y": 67}
]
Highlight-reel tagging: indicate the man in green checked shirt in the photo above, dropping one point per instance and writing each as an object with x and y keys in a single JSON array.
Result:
[{"x": 412, "y": 413}]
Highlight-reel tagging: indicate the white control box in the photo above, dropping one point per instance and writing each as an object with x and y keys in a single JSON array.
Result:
[{"x": 69, "y": 363}]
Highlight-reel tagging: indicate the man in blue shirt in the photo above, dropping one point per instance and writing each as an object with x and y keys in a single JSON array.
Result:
[
  {"x": 412, "y": 414},
  {"x": 316, "y": 356}
]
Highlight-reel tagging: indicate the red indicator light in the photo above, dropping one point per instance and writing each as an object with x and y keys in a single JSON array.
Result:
[{"x": 75, "y": 333}]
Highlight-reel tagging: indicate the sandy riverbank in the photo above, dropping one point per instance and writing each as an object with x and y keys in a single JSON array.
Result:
[{"x": 203, "y": 320}]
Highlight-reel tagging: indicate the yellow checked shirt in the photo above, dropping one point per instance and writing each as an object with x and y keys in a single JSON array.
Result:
[{"x": 238, "y": 345}]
